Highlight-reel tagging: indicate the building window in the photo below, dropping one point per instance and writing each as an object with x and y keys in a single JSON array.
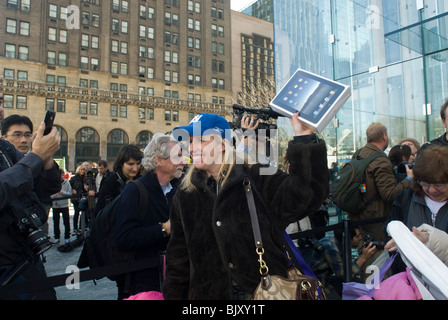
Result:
[
  {"x": 167, "y": 76},
  {"x": 150, "y": 33},
  {"x": 150, "y": 53},
  {"x": 123, "y": 111},
  {"x": 63, "y": 36},
  {"x": 85, "y": 40},
  {"x": 12, "y": 4},
  {"x": 85, "y": 19},
  {"x": 51, "y": 57},
  {"x": 11, "y": 26},
  {"x": 151, "y": 13},
  {"x": 150, "y": 73},
  {"x": 93, "y": 108},
  {"x": 24, "y": 28},
  {"x": 49, "y": 104},
  {"x": 167, "y": 115},
  {"x": 141, "y": 113},
  {"x": 124, "y": 27},
  {"x": 94, "y": 84},
  {"x": 53, "y": 11},
  {"x": 84, "y": 63},
  {"x": 62, "y": 59},
  {"x": 150, "y": 114},
  {"x": 52, "y": 34},
  {"x": 124, "y": 69},
  {"x": 95, "y": 42},
  {"x": 83, "y": 107},
  {"x": 10, "y": 51},
  {"x": 60, "y": 105},
  {"x": 114, "y": 110},
  {"x": 114, "y": 67},
  {"x": 9, "y": 74},
  {"x": 175, "y": 116},
  {"x": 124, "y": 47},
  {"x": 21, "y": 102},
  {"x": 23, "y": 53},
  {"x": 25, "y": 5},
  {"x": 94, "y": 64},
  {"x": 22, "y": 75},
  {"x": 8, "y": 101},
  {"x": 115, "y": 25}
]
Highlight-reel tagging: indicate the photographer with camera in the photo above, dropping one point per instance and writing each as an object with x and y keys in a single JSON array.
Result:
[
  {"x": 401, "y": 156},
  {"x": 23, "y": 181},
  {"x": 327, "y": 263}
]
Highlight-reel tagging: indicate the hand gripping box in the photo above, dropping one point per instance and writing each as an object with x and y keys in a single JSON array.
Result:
[{"x": 316, "y": 98}]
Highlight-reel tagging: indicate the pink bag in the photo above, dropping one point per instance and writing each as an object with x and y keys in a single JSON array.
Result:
[
  {"x": 398, "y": 287},
  {"x": 151, "y": 295}
]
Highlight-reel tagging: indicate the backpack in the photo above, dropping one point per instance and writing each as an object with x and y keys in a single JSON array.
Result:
[
  {"x": 100, "y": 247},
  {"x": 349, "y": 187}
]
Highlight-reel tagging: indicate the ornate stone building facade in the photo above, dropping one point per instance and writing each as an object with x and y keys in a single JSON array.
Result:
[{"x": 115, "y": 71}]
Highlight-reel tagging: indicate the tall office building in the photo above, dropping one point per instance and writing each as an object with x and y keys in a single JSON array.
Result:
[
  {"x": 261, "y": 9},
  {"x": 116, "y": 71},
  {"x": 392, "y": 53},
  {"x": 252, "y": 53}
]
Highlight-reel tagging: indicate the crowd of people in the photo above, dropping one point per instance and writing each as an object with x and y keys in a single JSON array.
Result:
[{"x": 197, "y": 214}]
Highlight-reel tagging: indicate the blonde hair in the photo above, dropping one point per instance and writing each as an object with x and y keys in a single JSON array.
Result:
[
  {"x": 229, "y": 161},
  {"x": 78, "y": 170}
]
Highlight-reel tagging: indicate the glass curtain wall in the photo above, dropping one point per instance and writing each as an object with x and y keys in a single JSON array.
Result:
[{"x": 392, "y": 53}]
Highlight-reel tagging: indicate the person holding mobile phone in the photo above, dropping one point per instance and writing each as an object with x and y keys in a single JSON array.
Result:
[
  {"x": 18, "y": 130},
  {"x": 24, "y": 182}
]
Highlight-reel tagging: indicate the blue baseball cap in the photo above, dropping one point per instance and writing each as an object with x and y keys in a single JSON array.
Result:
[{"x": 206, "y": 123}]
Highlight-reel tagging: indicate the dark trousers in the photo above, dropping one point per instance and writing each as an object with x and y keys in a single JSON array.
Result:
[
  {"x": 76, "y": 224},
  {"x": 66, "y": 219}
]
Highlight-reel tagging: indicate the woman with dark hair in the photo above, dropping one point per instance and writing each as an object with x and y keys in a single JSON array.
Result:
[
  {"x": 427, "y": 201},
  {"x": 127, "y": 167},
  {"x": 400, "y": 155}
]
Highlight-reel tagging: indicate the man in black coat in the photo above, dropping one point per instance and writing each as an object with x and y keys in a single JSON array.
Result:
[
  {"x": 24, "y": 181},
  {"x": 148, "y": 235}
]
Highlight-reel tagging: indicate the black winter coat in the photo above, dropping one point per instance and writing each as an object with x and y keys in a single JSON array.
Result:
[{"x": 211, "y": 240}]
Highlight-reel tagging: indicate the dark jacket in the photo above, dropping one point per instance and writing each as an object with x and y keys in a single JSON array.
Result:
[
  {"x": 111, "y": 187},
  {"x": 413, "y": 212},
  {"x": 22, "y": 187},
  {"x": 145, "y": 236},
  {"x": 380, "y": 180},
  {"x": 77, "y": 183},
  {"x": 211, "y": 240},
  {"x": 440, "y": 140}
]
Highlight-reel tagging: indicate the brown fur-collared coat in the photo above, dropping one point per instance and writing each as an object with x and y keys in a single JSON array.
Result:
[{"x": 211, "y": 240}]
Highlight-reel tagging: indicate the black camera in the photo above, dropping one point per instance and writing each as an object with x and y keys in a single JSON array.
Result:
[
  {"x": 260, "y": 115},
  {"x": 311, "y": 242},
  {"x": 30, "y": 225},
  {"x": 377, "y": 243}
]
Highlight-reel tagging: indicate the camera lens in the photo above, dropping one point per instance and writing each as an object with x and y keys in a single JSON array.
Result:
[{"x": 38, "y": 242}]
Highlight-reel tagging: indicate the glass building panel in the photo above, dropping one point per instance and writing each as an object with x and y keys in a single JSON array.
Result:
[
  {"x": 437, "y": 90},
  {"x": 392, "y": 54}
]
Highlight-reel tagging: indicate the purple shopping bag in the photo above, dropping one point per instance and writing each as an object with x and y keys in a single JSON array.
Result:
[{"x": 355, "y": 290}]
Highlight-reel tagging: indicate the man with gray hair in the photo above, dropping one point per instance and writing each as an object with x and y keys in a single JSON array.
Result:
[{"x": 149, "y": 235}]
